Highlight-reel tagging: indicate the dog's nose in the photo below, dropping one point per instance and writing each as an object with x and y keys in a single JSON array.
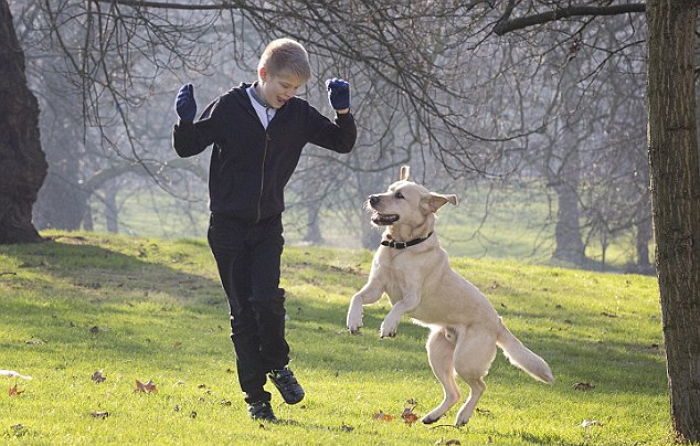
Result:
[{"x": 373, "y": 199}]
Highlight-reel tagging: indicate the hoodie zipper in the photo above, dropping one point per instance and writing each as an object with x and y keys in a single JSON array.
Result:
[
  {"x": 262, "y": 176},
  {"x": 262, "y": 167}
]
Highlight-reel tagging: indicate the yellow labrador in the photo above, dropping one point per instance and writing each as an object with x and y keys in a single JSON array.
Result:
[{"x": 413, "y": 270}]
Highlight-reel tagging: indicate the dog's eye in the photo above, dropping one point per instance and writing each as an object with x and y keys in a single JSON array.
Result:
[{"x": 399, "y": 195}]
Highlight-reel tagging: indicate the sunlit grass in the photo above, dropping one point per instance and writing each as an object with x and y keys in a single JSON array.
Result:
[
  {"x": 508, "y": 223},
  {"x": 150, "y": 309}
]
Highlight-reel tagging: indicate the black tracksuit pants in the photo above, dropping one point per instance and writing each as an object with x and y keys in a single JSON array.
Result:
[{"x": 248, "y": 258}]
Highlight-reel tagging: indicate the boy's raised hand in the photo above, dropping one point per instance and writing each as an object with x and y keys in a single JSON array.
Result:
[
  {"x": 338, "y": 93},
  {"x": 185, "y": 105}
]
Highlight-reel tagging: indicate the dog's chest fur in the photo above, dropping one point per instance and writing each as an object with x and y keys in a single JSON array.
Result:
[{"x": 404, "y": 270}]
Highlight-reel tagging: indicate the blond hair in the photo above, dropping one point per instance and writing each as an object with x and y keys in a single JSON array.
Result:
[{"x": 286, "y": 56}]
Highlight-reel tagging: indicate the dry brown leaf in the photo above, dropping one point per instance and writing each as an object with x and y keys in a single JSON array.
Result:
[
  {"x": 452, "y": 441},
  {"x": 584, "y": 387},
  {"x": 98, "y": 377},
  {"x": 15, "y": 391},
  {"x": 409, "y": 416},
  {"x": 148, "y": 387},
  {"x": 381, "y": 416},
  {"x": 102, "y": 414}
]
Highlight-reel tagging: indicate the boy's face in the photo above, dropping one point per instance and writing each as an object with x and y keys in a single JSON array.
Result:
[{"x": 278, "y": 89}]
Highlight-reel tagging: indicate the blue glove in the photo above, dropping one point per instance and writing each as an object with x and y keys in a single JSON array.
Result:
[
  {"x": 338, "y": 93},
  {"x": 185, "y": 106}
]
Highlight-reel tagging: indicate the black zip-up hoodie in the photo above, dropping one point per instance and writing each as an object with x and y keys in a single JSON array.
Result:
[{"x": 251, "y": 165}]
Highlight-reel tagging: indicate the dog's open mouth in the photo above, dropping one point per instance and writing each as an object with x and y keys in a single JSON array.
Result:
[{"x": 384, "y": 219}]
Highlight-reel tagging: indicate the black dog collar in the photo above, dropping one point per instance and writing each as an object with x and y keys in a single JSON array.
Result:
[{"x": 403, "y": 245}]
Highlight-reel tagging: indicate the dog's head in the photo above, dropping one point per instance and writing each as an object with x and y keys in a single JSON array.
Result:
[{"x": 406, "y": 202}]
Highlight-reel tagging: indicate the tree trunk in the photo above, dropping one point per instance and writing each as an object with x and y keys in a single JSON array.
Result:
[
  {"x": 313, "y": 222},
  {"x": 643, "y": 237},
  {"x": 675, "y": 189},
  {"x": 61, "y": 203},
  {"x": 112, "y": 209},
  {"x": 568, "y": 229},
  {"x": 22, "y": 161}
]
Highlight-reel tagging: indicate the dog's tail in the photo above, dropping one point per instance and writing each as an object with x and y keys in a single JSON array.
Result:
[{"x": 522, "y": 357}]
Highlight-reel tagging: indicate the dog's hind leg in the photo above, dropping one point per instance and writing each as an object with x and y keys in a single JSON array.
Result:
[
  {"x": 474, "y": 353},
  {"x": 440, "y": 355}
]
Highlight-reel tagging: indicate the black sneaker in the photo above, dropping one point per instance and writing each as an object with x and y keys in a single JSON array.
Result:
[
  {"x": 287, "y": 384},
  {"x": 262, "y": 411}
]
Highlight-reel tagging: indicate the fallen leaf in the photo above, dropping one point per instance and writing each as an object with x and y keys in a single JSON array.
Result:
[
  {"x": 148, "y": 387},
  {"x": 100, "y": 414},
  {"x": 381, "y": 416},
  {"x": 193, "y": 414},
  {"x": 584, "y": 387},
  {"x": 34, "y": 342},
  {"x": 19, "y": 430},
  {"x": 98, "y": 377},
  {"x": 95, "y": 329},
  {"x": 225, "y": 403},
  {"x": 589, "y": 423},
  {"x": 13, "y": 374},
  {"x": 345, "y": 428},
  {"x": 452, "y": 441},
  {"x": 485, "y": 412},
  {"x": 408, "y": 416},
  {"x": 14, "y": 391}
]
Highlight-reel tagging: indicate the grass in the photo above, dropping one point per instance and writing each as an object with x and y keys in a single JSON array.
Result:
[
  {"x": 150, "y": 309},
  {"x": 513, "y": 222}
]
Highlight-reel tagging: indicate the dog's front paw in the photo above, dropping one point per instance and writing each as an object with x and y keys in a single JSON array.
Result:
[
  {"x": 354, "y": 322},
  {"x": 354, "y": 329},
  {"x": 386, "y": 331}
]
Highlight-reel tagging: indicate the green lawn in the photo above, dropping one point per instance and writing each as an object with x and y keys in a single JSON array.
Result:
[
  {"x": 513, "y": 222},
  {"x": 150, "y": 309}
]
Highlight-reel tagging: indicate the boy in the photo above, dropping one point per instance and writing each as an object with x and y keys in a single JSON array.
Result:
[{"x": 258, "y": 132}]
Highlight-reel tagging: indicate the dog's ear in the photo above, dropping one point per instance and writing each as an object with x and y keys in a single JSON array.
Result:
[
  {"x": 436, "y": 201},
  {"x": 405, "y": 170}
]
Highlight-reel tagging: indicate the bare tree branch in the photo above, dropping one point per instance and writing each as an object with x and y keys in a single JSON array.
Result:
[
  {"x": 506, "y": 26},
  {"x": 167, "y": 5}
]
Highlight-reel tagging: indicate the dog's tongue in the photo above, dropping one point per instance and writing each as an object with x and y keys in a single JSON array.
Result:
[{"x": 384, "y": 219}]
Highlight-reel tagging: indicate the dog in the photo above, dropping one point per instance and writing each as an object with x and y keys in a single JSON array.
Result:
[{"x": 414, "y": 271}]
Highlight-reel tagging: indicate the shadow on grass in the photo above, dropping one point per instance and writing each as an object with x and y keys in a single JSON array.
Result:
[{"x": 316, "y": 329}]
